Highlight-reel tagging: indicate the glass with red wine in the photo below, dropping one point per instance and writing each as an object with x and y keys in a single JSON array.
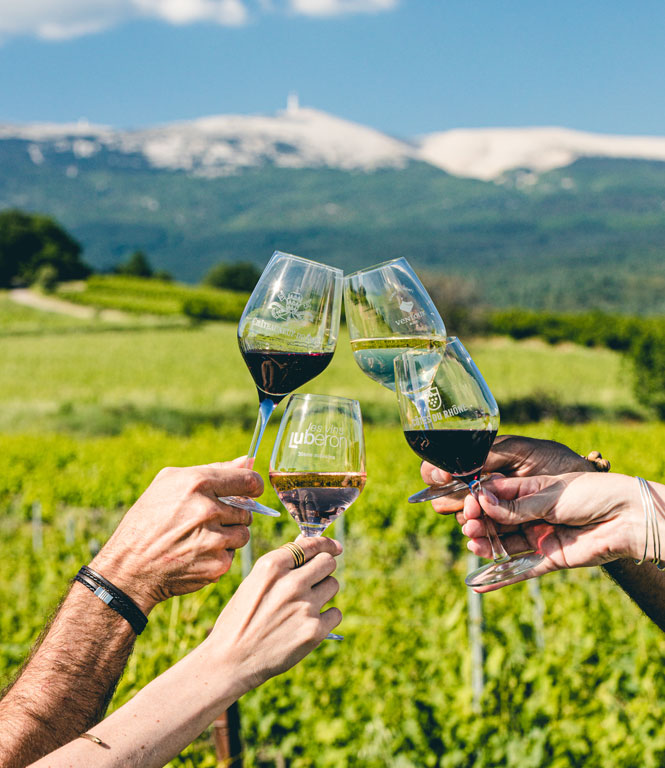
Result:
[
  {"x": 317, "y": 466},
  {"x": 287, "y": 335},
  {"x": 450, "y": 419}
]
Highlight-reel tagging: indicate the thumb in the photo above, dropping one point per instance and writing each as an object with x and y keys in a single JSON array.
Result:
[{"x": 516, "y": 500}]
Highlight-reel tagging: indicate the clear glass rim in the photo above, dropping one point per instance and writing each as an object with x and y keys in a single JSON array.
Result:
[
  {"x": 329, "y": 398},
  {"x": 377, "y": 266},
  {"x": 308, "y": 261}
]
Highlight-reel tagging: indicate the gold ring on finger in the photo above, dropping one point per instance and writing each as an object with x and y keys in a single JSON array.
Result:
[{"x": 297, "y": 551}]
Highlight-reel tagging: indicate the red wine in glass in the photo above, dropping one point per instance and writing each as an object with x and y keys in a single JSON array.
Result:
[
  {"x": 450, "y": 418},
  {"x": 287, "y": 335},
  {"x": 461, "y": 452}
]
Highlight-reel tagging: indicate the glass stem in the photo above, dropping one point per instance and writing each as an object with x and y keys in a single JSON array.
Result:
[
  {"x": 266, "y": 408},
  {"x": 499, "y": 554}
]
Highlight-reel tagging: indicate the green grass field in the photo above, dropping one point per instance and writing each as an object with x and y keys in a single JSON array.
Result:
[{"x": 88, "y": 418}]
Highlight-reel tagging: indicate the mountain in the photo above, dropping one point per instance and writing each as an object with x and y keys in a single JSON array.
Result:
[{"x": 541, "y": 217}]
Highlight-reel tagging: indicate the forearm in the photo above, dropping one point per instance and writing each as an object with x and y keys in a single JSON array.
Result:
[
  {"x": 644, "y": 584},
  {"x": 68, "y": 682},
  {"x": 162, "y": 719}
]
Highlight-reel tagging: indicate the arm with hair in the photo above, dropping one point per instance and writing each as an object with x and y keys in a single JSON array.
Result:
[
  {"x": 177, "y": 538},
  {"x": 274, "y": 619}
]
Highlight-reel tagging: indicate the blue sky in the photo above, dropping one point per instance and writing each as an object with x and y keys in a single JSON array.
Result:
[{"x": 403, "y": 66}]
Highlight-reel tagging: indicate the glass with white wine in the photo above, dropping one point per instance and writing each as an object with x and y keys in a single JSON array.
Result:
[{"x": 317, "y": 466}]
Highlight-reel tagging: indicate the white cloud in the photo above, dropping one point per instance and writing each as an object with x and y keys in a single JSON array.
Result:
[
  {"x": 339, "y": 7},
  {"x": 66, "y": 19}
]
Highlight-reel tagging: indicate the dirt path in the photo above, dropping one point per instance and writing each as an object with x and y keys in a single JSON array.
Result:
[{"x": 35, "y": 300}]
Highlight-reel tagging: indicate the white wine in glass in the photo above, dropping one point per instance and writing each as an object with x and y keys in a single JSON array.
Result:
[{"x": 317, "y": 466}]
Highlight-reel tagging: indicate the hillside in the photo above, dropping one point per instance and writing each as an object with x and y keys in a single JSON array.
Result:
[{"x": 586, "y": 234}]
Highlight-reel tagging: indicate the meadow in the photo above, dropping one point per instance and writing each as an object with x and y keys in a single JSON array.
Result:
[{"x": 89, "y": 413}]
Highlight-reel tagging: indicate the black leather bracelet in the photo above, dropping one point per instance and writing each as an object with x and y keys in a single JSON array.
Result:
[{"x": 113, "y": 597}]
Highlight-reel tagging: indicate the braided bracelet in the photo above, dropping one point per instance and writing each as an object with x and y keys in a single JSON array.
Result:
[
  {"x": 600, "y": 464},
  {"x": 113, "y": 597}
]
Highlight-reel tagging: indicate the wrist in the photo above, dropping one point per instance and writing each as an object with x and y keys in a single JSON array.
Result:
[
  {"x": 631, "y": 531},
  {"x": 227, "y": 668},
  {"x": 119, "y": 570}
]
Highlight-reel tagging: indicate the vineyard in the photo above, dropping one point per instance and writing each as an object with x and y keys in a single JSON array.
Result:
[{"x": 91, "y": 412}]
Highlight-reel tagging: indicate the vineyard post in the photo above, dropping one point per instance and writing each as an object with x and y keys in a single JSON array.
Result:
[
  {"x": 476, "y": 639},
  {"x": 226, "y": 733},
  {"x": 538, "y": 612},
  {"x": 37, "y": 538}
]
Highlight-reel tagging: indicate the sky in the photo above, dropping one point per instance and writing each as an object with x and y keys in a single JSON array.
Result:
[{"x": 406, "y": 67}]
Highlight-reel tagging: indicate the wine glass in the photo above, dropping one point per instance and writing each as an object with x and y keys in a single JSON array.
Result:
[
  {"x": 317, "y": 466},
  {"x": 287, "y": 335},
  {"x": 388, "y": 311},
  {"x": 450, "y": 418}
]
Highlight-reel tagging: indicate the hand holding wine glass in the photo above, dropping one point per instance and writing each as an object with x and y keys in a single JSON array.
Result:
[
  {"x": 287, "y": 335},
  {"x": 450, "y": 418},
  {"x": 317, "y": 466}
]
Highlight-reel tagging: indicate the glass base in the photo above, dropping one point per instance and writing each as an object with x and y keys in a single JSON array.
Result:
[
  {"x": 498, "y": 573},
  {"x": 244, "y": 502},
  {"x": 456, "y": 488},
  {"x": 332, "y": 636}
]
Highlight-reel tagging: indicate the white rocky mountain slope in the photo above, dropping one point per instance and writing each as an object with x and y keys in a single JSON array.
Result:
[{"x": 306, "y": 138}]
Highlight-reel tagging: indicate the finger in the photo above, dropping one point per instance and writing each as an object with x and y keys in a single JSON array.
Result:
[
  {"x": 311, "y": 546},
  {"x": 446, "y": 505},
  {"x": 318, "y": 568},
  {"x": 230, "y": 536},
  {"x": 330, "y": 619},
  {"x": 225, "y": 480},
  {"x": 324, "y": 591},
  {"x": 513, "y": 543},
  {"x": 433, "y": 475},
  {"x": 477, "y": 529},
  {"x": 232, "y": 515},
  {"x": 517, "y": 500},
  {"x": 459, "y": 516}
]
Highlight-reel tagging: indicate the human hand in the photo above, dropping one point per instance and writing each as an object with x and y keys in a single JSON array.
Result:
[
  {"x": 514, "y": 456},
  {"x": 574, "y": 520},
  {"x": 178, "y": 536},
  {"x": 274, "y": 619}
]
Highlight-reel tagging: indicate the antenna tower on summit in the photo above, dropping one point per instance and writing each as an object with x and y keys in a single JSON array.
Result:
[{"x": 292, "y": 102}]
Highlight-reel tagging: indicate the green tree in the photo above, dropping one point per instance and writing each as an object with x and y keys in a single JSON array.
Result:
[
  {"x": 137, "y": 265},
  {"x": 238, "y": 276},
  {"x": 29, "y": 242}
]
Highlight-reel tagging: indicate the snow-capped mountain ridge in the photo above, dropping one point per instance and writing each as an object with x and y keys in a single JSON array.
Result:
[{"x": 307, "y": 138}]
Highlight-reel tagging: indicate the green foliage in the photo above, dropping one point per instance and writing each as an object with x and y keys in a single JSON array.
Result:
[
  {"x": 155, "y": 297},
  {"x": 397, "y": 691},
  {"x": 46, "y": 279},
  {"x": 643, "y": 339},
  {"x": 236, "y": 276},
  {"x": 30, "y": 243},
  {"x": 137, "y": 265},
  {"x": 648, "y": 355}
]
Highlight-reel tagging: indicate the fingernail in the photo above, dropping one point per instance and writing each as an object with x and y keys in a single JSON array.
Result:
[
  {"x": 464, "y": 530},
  {"x": 438, "y": 476},
  {"x": 490, "y": 496}
]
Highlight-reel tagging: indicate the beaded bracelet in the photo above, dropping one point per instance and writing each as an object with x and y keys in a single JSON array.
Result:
[{"x": 113, "y": 597}]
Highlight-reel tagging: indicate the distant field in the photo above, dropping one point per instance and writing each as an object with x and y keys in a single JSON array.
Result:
[{"x": 72, "y": 380}]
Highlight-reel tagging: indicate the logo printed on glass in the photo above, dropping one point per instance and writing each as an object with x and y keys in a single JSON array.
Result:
[
  {"x": 434, "y": 398},
  {"x": 289, "y": 307},
  {"x": 315, "y": 435},
  {"x": 406, "y": 306}
]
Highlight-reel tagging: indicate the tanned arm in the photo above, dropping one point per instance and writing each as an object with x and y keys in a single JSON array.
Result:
[
  {"x": 177, "y": 538},
  {"x": 68, "y": 681},
  {"x": 644, "y": 584}
]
